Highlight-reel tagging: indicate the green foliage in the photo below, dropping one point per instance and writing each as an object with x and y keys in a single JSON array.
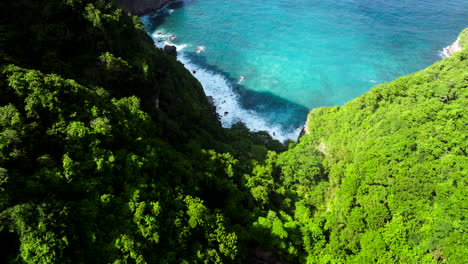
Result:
[
  {"x": 109, "y": 153},
  {"x": 464, "y": 38},
  {"x": 102, "y": 154},
  {"x": 379, "y": 180},
  {"x": 97, "y": 157},
  {"x": 391, "y": 153}
]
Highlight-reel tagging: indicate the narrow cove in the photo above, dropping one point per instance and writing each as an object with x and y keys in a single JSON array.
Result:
[{"x": 267, "y": 64}]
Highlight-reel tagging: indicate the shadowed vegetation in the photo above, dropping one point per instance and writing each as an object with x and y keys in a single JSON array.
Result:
[{"x": 110, "y": 153}]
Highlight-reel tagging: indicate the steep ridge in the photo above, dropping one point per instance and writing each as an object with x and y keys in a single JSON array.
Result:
[
  {"x": 107, "y": 145},
  {"x": 98, "y": 45},
  {"x": 458, "y": 45},
  {"x": 383, "y": 178}
]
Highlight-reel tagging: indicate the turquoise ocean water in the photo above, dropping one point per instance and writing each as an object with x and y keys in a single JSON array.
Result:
[{"x": 267, "y": 63}]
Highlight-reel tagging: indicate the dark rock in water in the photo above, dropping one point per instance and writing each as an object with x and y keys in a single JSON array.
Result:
[
  {"x": 171, "y": 50},
  {"x": 194, "y": 72},
  {"x": 226, "y": 113}
]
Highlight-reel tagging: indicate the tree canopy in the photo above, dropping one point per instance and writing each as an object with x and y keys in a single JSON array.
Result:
[{"x": 110, "y": 153}]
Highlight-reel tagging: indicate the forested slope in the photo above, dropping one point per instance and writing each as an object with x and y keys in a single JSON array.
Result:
[
  {"x": 110, "y": 153},
  {"x": 397, "y": 167},
  {"x": 96, "y": 44},
  {"x": 391, "y": 186},
  {"x": 109, "y": 149}
]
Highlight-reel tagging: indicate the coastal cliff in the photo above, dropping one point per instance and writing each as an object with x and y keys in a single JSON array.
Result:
[
  {"x": 458, "y": 45},
  {"x": 141, "y": 7},
  {"x": 109, "y": 153},
  {"x": 455, "y": 47}
]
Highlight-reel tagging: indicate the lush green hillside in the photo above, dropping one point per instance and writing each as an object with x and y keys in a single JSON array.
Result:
[
  {"x": 105, "y": 145},
  {"x": 464, "y": 38},
  {"x": 391, "y": 186},
  {"x": 110, "y": 153}
]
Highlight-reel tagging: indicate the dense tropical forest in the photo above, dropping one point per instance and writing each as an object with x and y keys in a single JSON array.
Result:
[{"x": 111, "y": 153}]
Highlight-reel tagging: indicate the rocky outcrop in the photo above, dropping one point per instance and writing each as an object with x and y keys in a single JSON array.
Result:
[
  {"x": 305, "y": 129},
  {"x": 458, "y": 45},
  {"x": 171, "y": 50},
  {"x": 212, "y": 107},
  {"x": 141, "y": 7},
  {"x": 455, "y": 47}
]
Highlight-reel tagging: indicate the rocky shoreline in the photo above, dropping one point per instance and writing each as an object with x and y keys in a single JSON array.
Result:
[
  {"x": 304, "y": 130},
  {"x": 455, "y": 47},
  {"x": 142, "y": 7}
]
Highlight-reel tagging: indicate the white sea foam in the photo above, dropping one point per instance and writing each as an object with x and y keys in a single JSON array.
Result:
[
  {"x": 227, "y": 103},
  {"x": 449, "y": 50},
  {"x": 162, "y": 38},
  {"x": 200, "y": 49},
  {"x": 444, "y": 53},
  {"x": 224, "y": 97},
  {"x": 179, "y": 47}
]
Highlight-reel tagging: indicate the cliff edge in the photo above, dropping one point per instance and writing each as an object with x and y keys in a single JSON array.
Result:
[
  {"x": 141, "y": 7},
  {"x": 458, "y": 45}
]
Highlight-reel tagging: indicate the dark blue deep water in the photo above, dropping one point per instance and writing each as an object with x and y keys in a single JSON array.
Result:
[{"x": 267, "y": 63}]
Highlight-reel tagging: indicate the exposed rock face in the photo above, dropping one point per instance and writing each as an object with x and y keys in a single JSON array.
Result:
[
  {"x": 213, "y": 107},
  {"x": 171, "y": 50},
  {"x": 448, "y": 51},
  {"x": 141, "y": 7},
  {"x": 305, "y": 129}
]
